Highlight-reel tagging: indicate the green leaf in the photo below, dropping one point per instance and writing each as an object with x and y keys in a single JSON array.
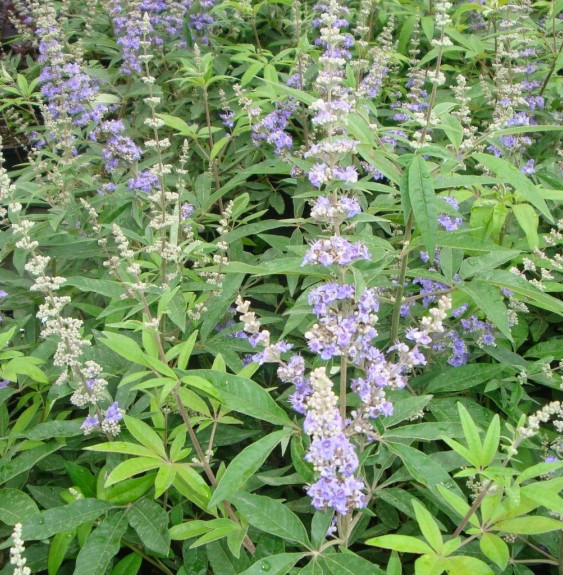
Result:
[
  {"x": 349, "y": 563},
  {"x": 522, "y": 287},
  {"x": 471, "y": 433},
  {"x": 164, "y": 479},
  {"x": 246, "y": 396},
  {"x": 428, "y": 526},
  {"x": 458, "y": 504},
  {"x": 195, "y": 482},
  {"x": 177, "y": 124},
  {"x": 150, "y": 521},
  {"x": 220, "y": 560},
  {"x": 57, "y": 550},
  {"x": 274, "y": 564},
  {"x": 82, "y": 478},
  {"x": 491, "y": 441},
  {"x": 489, "y": 300},
  {"x": 201, "y": 384},
  {"x": 6, "y": 336},
  {"x": 394, "y": 565},
  {"x": 464, "y": 565},
  {"x": 145, "y": 435},
  {"x": 198, "y": 527},
  {"x": 320, "y": 525},
  {"x": 95, "y": 286},
  {"x": 271, "y": 516},
  {"x": 529, "y": 221},
  {"x": 16, "y": 506},
  {"x": 130, "y": 349},
  {"x": 183, "y": 351},
  {"x": 218, "y": 533},
  {"x": 473, "y": 265},
  {"x": 427, "y": 431},
  {"x": 127, "y": 491},
  {"x": 422, "y": 467},
  {"x": 400, "y": 543},
  {"x": 423, "y": 202},
  {"x": 495, "y": 549},
  {"x": 405, "y": 408},
  {"x": 473, "y": 458},
  {"x": 129, "y": 565},
  {"x": 58, "y": 519},
  {"x": 313, "y": 568},
  {"x": 458, "y": 379},
  {"x": 429, "y": 565},
  {"x": 123, "y": 447},
  {"x": 516, "y": 179},
  {"x": 131, "y": 467},
  {"x": 537, "y": 470},
  {"x": 50, "y": 429},
  {"x": 246, "y": 464},
  {"x": 101, "y": 546},
  {"x": 529, "y": 525}
]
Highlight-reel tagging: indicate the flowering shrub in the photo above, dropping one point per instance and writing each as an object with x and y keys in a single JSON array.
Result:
[{"x": 280, "y": 288}]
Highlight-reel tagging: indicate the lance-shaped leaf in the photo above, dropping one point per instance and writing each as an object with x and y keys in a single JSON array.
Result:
[
  {"x": 271, "y": 516},
  {"x": 101, "y": 546},
  {"x": 422, "y": 199},
  {"x": 150, "y": 521},
  {"x": 58, "y": 519},
  {"x": 246, "y": 464}
]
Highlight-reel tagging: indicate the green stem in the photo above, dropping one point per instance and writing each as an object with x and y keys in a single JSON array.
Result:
[
  {"x": 155, "y": 562},
  {"x": 404, "y": 257},
  {"x": 248, "y": 544}
]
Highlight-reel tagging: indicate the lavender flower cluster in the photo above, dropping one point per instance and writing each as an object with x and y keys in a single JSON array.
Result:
[
  {"x": 156, "y": 23},
  {"x": 151, "y": 21},
  {"x": 117, "y": 148},
  {"x": 271, "y": 128},
  {"x": 69, "y": 92}
]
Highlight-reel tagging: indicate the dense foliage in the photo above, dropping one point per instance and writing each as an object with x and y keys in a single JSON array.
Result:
[{"x": 280, "y": 287}]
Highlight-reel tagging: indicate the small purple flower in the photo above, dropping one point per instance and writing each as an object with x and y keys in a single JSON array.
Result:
[
  {"x": 90, "y": 423},
  {"x": 186, "y": 211},
  {"x": 347, "y": 174},
  {"x": 4, "y": 383},
  {"x": 318, "y": 175},
  {"x": 335, "y": 250},
  {"x": 529, "y": 167},
  {"x": 145, "y": 182},
  {"x": 113, "y": 413}
]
